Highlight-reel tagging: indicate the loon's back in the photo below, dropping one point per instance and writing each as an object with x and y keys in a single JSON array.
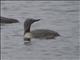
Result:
[
  {"x": 44, "y": 34},
  {"x": 8, "y": 20}
]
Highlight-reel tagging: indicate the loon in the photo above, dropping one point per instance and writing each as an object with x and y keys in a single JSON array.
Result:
[
  {"x": 39, "y": 33},
  {"x": 8, "y": 20}
]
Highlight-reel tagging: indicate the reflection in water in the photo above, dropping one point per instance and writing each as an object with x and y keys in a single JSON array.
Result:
[{"x": 27, "y": 43}]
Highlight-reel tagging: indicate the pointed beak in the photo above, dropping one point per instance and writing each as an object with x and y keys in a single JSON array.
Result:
[{"x": 36, "y": 20}]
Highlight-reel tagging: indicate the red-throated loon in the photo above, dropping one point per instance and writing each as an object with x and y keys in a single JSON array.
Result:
[
  {"x": 8, "y": 20},
  {"x": 40, "y": 33}
]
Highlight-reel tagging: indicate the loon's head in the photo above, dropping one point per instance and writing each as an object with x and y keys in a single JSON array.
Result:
[
  {"x": 27, "y": 25},
  {"x": 30, "y": 21}
]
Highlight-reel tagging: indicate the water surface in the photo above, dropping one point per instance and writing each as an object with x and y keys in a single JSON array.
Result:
[{"x": 60, "y": 16}]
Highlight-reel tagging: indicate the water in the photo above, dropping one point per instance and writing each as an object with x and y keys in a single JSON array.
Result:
[{"x": 60, "y": 16}]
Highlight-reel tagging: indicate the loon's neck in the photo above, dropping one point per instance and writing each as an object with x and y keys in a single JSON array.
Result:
[
  {"x": 27, "y": 29},
  {"x": 27, "y": 34}
]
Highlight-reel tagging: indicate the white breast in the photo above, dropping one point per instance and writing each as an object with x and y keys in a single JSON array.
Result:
[{"x": 28, "y": 35}]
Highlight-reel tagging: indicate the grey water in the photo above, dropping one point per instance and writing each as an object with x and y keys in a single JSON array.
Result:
[{"x": 60, "y": 16}]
